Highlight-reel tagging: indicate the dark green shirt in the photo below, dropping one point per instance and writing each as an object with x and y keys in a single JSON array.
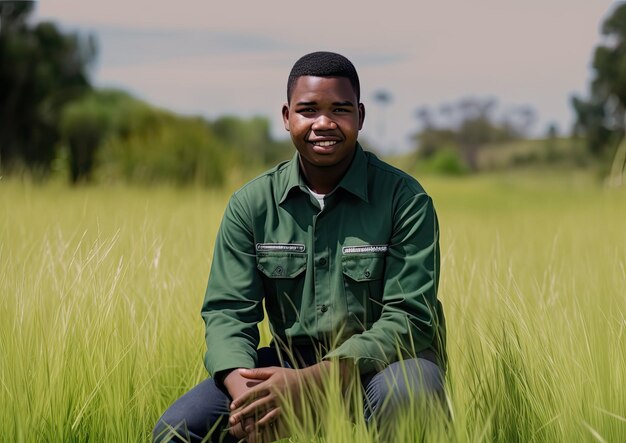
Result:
[{"x": 360, "y": 275}]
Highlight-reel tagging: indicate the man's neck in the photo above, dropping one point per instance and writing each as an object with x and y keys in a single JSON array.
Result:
[
  {"x": 323, "y": 180},
  {"x": 321, "y": 183}
]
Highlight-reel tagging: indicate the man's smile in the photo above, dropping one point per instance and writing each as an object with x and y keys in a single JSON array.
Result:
[{"x": 323, "y": 143}]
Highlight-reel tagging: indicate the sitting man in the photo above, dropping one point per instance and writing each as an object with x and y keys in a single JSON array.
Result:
[{"x": 343, "y": 249}]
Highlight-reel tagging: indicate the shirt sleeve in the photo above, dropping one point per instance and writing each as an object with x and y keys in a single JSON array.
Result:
[
  {"x": 232, "y": 306},
  {"x": 408, "y": 323}
]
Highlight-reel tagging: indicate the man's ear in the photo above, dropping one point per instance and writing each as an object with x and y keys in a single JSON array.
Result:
[
  {"x": 361, "y": 115},
  {"x": 286, "y": 116}
]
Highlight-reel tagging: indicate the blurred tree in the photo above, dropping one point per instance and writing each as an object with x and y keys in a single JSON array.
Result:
[
  {"x": 475, "y": 128},
  {"x": 41, "y": 69},
  {"x": 467, "y": 126},
  {"x": 601, "y": 117},
  {"x": 592, "y": 122},
  {"x": 552, "y": 133},
  {"x": 87, "y": 122}
]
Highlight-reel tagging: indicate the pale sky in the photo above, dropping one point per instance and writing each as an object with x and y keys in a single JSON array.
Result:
[{"x": 233, "y": 57}]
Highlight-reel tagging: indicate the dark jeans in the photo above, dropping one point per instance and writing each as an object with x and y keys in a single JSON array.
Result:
[{"x": 204, "y": 409}]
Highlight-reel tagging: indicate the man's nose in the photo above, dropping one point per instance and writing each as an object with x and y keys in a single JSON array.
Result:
[{"x": 324, "y": 123}]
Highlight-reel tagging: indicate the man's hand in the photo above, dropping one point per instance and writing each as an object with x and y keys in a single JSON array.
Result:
[
  {"x": 264, "y": 402},
  {"x": 257, "y": 408},
  {"x": 238, "y": 386}
]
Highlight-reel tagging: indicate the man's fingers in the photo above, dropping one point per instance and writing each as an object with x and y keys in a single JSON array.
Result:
[
  {"x": 257, "y": 373},
  {"x": 270, "y": 417},
  {"x": 251, "y": 432},
  {"x": 261, "y": 404},
  {"x": 238, "y": 430},
  {"x": 258, "y": 391}
]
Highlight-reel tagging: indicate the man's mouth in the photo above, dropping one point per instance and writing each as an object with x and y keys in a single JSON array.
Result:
[{"x": 324, "y": 144}]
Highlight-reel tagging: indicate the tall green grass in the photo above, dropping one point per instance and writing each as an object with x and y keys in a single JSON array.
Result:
[{"x": 100, "y": 292}]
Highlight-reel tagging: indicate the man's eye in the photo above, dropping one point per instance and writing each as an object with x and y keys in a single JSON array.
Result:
[
  {"x": 342, "y": 110},
  {"x": 306, "y": 110}
]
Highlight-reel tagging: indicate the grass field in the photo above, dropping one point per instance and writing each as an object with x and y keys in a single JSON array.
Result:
[{"x": 100, "y": 292}]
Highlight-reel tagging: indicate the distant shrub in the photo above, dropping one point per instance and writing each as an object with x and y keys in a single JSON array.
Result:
[
  {"x": 445, "y": 161},
  {"x": 98, "y": 116},
  {"x": 175, "y": 149}
]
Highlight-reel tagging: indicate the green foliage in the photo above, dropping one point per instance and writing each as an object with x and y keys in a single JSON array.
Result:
[
  {"x": 87, "y": 122},
  {"x": 601, "y": 117},
  {"x": 41, "y": 69},
  {"x": 610, "y": 60},
  {"x": 178, "y": 150},
  {"x": 592, "y": 122},
  {"x": 252, "y": 138},
  {"x": 112, "y": 136},
  {"x": 431, "y": 140},
  {"x": 107, "y": 116},
  {"x": 445, "y": 162}
]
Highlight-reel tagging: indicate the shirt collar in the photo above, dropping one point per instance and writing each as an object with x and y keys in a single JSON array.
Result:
[{"x": 354, "y": 180}]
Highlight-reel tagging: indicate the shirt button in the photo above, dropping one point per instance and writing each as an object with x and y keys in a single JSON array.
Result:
[
  {"x": 324, "y": 308},
  {"x": 367, "y": 274},
  {"x": 278, "y": 270},
  {"x": 323, "y": 261}
]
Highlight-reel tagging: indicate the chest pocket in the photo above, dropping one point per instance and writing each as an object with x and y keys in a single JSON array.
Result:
[
  {"x": 283, "y": 283},
  {"x": 363, "y": 285},
  {"x": 281, "y": 265}
]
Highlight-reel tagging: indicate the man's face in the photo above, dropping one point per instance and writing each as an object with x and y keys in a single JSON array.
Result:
[{"x": 324, "y": 119}]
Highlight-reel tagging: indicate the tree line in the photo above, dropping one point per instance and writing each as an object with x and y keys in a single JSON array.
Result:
[
  {"x": 50, "y": 113},
  {"x": 458, "y": 131}
]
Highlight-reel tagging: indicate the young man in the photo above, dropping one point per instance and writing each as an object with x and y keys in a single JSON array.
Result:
[{"x": 343, "y": 250}]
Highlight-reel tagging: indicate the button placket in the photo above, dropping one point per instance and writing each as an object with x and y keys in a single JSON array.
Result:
[{"x": 321, "y": 271}]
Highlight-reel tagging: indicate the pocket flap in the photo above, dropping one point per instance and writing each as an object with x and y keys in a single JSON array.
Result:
[
  {"x": 363, "y": 268},
  {"x": 281, "y": 266}
]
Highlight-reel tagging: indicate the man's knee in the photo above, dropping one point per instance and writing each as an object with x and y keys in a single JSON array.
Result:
[
  {"x": 200, "y": 412},
  {"x": 402, "y": 384}
]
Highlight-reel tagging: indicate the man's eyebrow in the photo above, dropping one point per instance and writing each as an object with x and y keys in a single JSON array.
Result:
[{"x": 346, "y": 103}]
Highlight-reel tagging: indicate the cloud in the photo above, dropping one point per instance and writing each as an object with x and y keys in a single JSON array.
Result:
[{"x": 123, "y": 46}]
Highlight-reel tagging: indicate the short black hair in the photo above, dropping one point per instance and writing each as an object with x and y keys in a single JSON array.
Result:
[{"x": 324, "y": 64}]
